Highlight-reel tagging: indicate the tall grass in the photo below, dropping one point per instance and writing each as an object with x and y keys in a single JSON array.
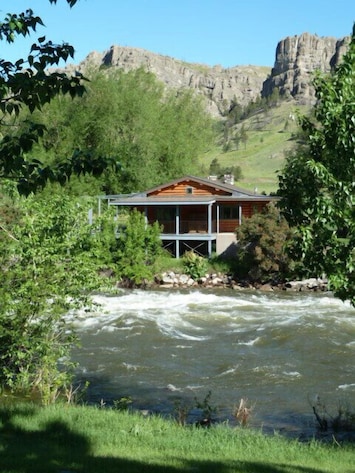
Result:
[{"x": 86, "y": 439}]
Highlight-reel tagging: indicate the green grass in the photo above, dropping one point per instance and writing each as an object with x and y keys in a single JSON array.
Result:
[
  {"x": 84, "y": 439},
  {"x": 215, "y": 264},
  {"x": 270, "y": 137},
  {"x": 166, "y": 262}
]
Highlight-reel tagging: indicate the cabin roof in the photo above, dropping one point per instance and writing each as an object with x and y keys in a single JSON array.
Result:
[
  {"x": 231, "y": 189},
  {"x": 232, "y": 193},
  {"x": 142, "y": 200}
]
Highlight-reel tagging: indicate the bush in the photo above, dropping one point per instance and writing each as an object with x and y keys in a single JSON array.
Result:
[
  {"x": 45, "y": 273},
  {"x": 194, "y": 265},
  {"x": 262, "y": 241},
  {"x": 139, "y": 246}
]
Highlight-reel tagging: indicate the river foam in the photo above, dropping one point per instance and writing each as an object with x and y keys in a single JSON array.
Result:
[{"x": 277, "y": 350}]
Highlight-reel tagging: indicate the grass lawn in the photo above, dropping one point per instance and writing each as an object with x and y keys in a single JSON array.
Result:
[{"x": 73, "y": 439}]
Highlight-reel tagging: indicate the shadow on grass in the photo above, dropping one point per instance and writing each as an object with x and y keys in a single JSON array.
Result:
[{"x": 55, "y": 448}]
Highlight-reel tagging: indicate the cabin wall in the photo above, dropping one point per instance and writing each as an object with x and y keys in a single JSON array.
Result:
[
  {"x": 228, "y": 226},
  {"x": 251, "y": 208}
]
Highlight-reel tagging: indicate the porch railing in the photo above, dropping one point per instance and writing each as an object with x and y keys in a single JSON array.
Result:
[{"x": 187, "y": 226}]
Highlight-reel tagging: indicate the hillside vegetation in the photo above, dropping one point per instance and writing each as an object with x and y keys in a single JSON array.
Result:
[
  {"x": 270, "y": 134},
  {"x": 156, "y": 136}
]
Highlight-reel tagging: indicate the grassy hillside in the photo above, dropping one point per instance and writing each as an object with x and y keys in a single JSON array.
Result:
[{"x": 270, "y": 134}]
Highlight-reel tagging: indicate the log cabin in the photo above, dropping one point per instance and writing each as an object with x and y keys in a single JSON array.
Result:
[{"x": 199, "y": 214}]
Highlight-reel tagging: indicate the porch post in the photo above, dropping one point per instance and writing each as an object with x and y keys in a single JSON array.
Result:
[
  {"x": 240, "y": 215},
  {"x": 99, "y": 207},
  {"x": 177, "y": 220},
  {"x": 146, "y": 215},
  {"x": 90, "y": 216},
  {"x": 209, "y": 224},
  {"x": 217, "y": 218},
  {"x": 209, "y": 229},
  {"x": 177, "y": 231}
]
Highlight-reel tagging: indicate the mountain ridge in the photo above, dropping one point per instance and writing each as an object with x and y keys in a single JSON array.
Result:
[{"x": 296, "y": 58}]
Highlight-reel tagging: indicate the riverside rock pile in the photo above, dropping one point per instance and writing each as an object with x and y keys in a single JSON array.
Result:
[{"x": 170, "y": 279}]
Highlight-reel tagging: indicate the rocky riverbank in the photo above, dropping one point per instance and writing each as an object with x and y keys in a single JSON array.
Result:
[{"x": 170, "y": 279}]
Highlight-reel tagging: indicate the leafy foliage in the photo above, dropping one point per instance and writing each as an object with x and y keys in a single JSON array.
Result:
[
  {"x": 216, "y": 169},
  {"x": 139, "y": 246},
  {"x": 194, "y": 265},
  {"x": 317, "y": 183},
  {"x": 156, "y": 135},
  {"x": 45, "y": 273},
  {"x": 27, "y": 85},
  {"x": 262, "y": 241}
]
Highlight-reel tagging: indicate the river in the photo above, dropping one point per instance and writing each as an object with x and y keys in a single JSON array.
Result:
[{"x": 280, "y": 351}]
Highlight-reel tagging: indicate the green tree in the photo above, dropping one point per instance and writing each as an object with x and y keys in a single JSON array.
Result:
[
  {"x": 26, "y": 84},
  {"x": 156, "y": 135},
  {"x": 216, "y": 169},
  {"x": 317, "y": 182},
  {"x": 46, "y": 271},
  {"x": 139, "y": 246},
  {"x": 262, "y": 241},
  {"x": 48, "y": 266}
]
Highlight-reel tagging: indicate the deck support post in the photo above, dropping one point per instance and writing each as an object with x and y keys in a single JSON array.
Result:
[
  {"x": 209, "y": 246},
  {"x": 177, "y": 249}
]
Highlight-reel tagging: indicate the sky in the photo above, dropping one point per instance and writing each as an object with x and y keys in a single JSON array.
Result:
[{"x": 212, "y": 32}]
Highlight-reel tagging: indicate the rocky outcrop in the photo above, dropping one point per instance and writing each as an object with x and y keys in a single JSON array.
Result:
[
  {"x": 297, "y": 58},
  {"x": 220, "y": 86}
]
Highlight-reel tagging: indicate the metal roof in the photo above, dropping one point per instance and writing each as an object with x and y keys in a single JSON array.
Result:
[
  {"x": 187, "y": 200},
  {"x": 139, "y": 200},
  {"x": 211, "y": 183},
  {"x": 143, "y": 198}
]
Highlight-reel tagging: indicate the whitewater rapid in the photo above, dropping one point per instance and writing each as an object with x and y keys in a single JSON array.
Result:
[{"x": 278, "y": 350}]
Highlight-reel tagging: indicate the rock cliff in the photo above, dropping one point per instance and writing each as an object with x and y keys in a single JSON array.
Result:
[
  {"x": 220, "y": 86},
  {"x": 296, "y": 59}
]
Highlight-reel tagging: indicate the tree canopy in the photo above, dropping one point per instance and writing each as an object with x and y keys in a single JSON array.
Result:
[
  {"x": 155, "y": 134},
  {"x": 26, "y": 84},
  {"x": 317, "y": 183}
]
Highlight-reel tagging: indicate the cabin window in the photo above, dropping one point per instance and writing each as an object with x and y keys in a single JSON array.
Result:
[
  {"x": 229, "y": 212},
  {"x": 189, "y": 190}
]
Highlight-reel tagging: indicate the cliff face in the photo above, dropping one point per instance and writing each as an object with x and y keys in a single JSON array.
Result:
[
  {"x": 296, "y": 59},
  {"x": 218, "y": 85}
]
